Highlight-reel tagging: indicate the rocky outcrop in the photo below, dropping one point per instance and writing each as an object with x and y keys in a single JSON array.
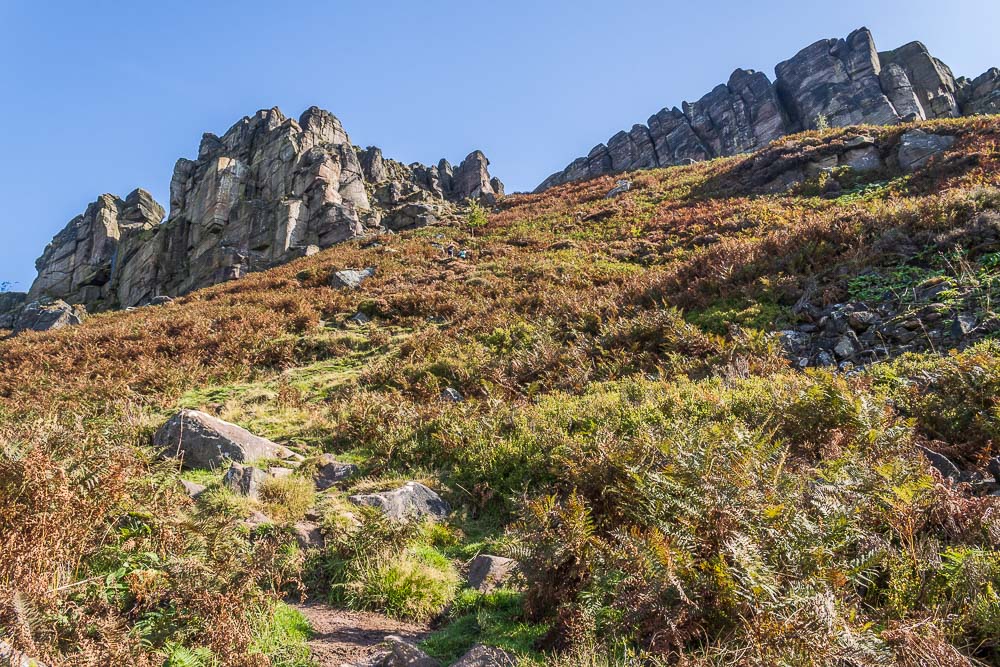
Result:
[
  {"x": 932, "y": 82},
  {"x": 77, "y": 266},
  {"x": 204, "y": 441},
  {"x": 835, "y": 82},
  {"x": 269, "y": 190},
  {"x": 932, "y": 316}
]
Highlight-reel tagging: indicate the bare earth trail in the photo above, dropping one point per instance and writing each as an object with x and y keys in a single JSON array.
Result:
[{"x": 347, "y": 636}]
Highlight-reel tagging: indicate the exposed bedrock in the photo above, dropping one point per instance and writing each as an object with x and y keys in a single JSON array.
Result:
[
  {"x": 833, "y": 82},
  {"x": 267, "y": 191}
]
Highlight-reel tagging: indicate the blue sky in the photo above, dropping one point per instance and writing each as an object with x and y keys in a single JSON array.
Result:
[{"x": 103, "y": 96}]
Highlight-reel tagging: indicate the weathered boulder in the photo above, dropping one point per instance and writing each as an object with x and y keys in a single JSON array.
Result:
[
  {"x": 941, "y": 463},
  {"x": 351, "y": 278},
  {"x": 204, "y": 441},
  {"x": 451, "y": 395},
  {"x": 916, "y": 148},
  {"x": 486, "y": 656},
  {"x": 487, "y": 572},
  {"x": 47, "y": 315},
  {"x": 621, "y": 187},
  {"x": 329, "y": 471},
  {"x": 256, "y": 520},
  {"x": 411, "y": 502},
  {"x": 868, "y": 158},
  {"x": 244, "y": 480}
]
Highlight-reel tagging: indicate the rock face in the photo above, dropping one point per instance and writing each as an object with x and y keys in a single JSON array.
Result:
[
  {"x": 269, "y": 190},
  {"x": 835, "y": 82},
  {"x": 79, "y": 263},
  {"x": 933, "y": 84},
  {"x": 414, "y": 501},
  {"x": 204, "y": 441}
]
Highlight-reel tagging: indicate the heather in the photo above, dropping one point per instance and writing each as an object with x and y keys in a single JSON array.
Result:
[{"x": 675, "y": 488}]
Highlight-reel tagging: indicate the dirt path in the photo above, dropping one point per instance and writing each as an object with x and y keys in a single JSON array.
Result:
[{"x": 345, "y": 636}]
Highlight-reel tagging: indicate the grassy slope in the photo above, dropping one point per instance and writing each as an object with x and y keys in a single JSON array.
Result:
[{"x": 670, "y": 485}]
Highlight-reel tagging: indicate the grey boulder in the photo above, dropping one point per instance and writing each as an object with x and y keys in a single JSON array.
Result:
[
  {"x": 193, "y": 489},
  {"x": 204, "y": 441},
  {"x": 916, "y": 148},
  {"x": 15, "y": 658},
  {"x": 351, "y": 278},
  {"x": 330, "y": 471},
  {"x": 398, "y": 653},
  {"x": 411, "y": 502},
  {"x": 244, "y": 480},
  {"x": 941, "y": 463},
  {"x": 487, "y": 572}
]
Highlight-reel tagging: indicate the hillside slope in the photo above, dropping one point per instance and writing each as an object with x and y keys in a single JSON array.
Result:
[{"x": 677, "y": 479}]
